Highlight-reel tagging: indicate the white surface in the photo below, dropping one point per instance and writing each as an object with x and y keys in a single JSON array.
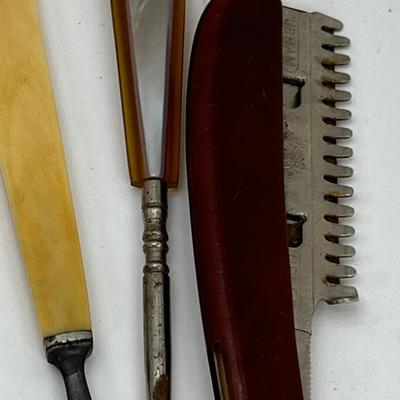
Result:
[{"x": 356, "y": 348}]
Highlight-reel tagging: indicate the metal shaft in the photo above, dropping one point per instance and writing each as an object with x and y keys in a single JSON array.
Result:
[
  {"x": 68, "y": 353},
  {"x": 156, "y": 289}
]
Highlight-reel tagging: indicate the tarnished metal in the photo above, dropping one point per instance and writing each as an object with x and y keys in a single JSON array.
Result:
[
  {"x": 66, "y": 338},
  {"x": 156, "y": 289},
  {"x": 312, "y": 170},
  {"x": 68, "y": 352},
  {"x": 150, "y": 43}
]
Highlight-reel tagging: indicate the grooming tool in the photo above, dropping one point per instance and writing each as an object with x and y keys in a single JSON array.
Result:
[
  {"x": 33, "y": 167},
  {"x": 236, "y": 188},
  {"x": 313, "y": 151},
  {"x": 261, "y": 275},
  {"x": 150, "y": 59}
]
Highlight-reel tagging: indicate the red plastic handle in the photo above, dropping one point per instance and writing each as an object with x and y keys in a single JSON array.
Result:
[{"x": 236, "y": 184}]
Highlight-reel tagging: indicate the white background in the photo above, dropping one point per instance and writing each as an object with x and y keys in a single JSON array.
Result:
[{"x": 356, "y": 348}]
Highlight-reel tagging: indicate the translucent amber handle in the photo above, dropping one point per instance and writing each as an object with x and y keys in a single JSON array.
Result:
[{"x": 150, "y": 59}]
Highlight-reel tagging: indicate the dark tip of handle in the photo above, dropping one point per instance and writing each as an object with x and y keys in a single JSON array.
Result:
[{"x": 70, "y": 358}]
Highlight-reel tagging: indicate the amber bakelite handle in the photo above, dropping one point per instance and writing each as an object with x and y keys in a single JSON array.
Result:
[
  {"x": 152, "y": 153},
  {"x": 235, "y": 173}
]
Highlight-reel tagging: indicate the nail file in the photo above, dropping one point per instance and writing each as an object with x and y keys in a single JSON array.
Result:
[{"x": 35, "y": 175}]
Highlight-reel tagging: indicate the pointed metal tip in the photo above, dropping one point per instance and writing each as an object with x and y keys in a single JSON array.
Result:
[{"x": 161, "y": 388}]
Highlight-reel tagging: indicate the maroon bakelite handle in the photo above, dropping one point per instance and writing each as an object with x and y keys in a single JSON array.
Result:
[{"x": 235, "y": 173}]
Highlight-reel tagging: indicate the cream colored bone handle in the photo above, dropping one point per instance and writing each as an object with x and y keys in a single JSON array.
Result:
[{"x": 35, "y": 175}]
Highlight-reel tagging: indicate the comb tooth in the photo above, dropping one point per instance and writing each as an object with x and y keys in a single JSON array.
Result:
[
  {"x": 331, "y": 40},
  {"x": 338, "y": 191},
  {"x": 341, "y": 95},
  {"x": 337, "y": 114},
  {"x": 337, "y": 132},
  {"x": 337, "y": 171},
  {"x": 334, "y": 95},
  {"x": 328, "y": 22},
  {"x": 330, "y": 58},
  {"x": 339, "y": 230},
  {"x": 336, "y": 151},
  {"x": 333, "y": 77},
  {"x": 341, "y": 114},
  {"x": 339, "y": 250},
  {"x": 339, "y": 271},
  {"x": 339, "y": 294},
  {"x": 336, "y": 210},
  {"x": 320, "y": 272}
]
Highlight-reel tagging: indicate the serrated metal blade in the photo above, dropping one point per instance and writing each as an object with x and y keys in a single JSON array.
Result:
[{"x": 312, "y": 170}]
